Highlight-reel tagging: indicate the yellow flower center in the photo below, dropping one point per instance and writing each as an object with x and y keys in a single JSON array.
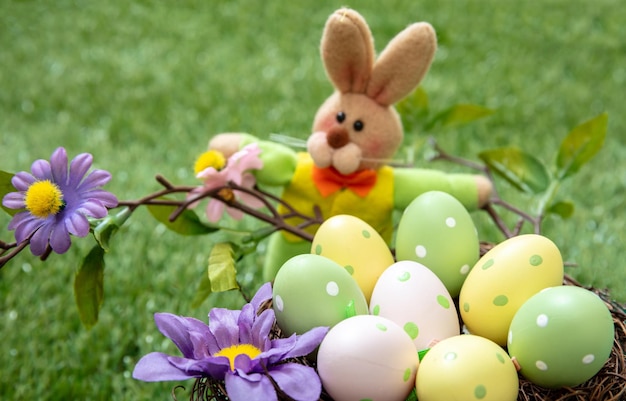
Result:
[
  {"x": 210, "y": 158},
  {"x": 238, "y": 349},
  {"x": 43, "y": 199}
]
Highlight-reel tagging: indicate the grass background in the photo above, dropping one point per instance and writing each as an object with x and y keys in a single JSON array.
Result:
[{"x": 142, "y": 85}]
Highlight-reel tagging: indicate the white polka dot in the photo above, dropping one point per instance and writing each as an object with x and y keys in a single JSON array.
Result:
[
  {"x": 587, "y": 359},
  {"x": 541, "y": 365},
  {"x": 332, "y": 288},
  {"x": 464, "y": 269},
  {"x": 450, "y": 222},
  {"x": 542, "y": 320},
  {"x": 279, "y": 303},
  {"x": 420, "y": 251}
]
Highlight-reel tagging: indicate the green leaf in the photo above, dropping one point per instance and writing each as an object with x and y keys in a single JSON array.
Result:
[
  {"x": 563, "y": 209},
  {"x": 520, "y": 169},
  {"x": 89, "y": 286},
  {"x": 203, "y": 291},
  {"x": 187, "y": 223},
  {"x": 581, "y": 145},
  {"x": 108, "y": 226},
  {"x": 459, "y": 114},
  {"x": 413, "y": 109},
  {"x": 5, "y": 188},
  {"x": 222, "y": 270}
]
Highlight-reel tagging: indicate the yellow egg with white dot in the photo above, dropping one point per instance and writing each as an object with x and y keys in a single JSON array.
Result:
[
  {"x": 467, "y": 367},
  {"x": 503, "y": 279},
  {"x": 355, "y": 245}
]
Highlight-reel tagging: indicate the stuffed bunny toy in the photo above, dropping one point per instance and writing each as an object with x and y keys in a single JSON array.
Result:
[{"x": 356, "y": 131}]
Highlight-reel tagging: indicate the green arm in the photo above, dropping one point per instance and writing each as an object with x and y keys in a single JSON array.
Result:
[
  {"x": 412, "y": 182},
  {"x": 279, "y": 161}
]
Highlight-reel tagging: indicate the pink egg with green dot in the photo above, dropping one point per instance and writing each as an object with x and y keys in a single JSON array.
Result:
[
  {"x": 561, "y": 336},
  {"x": 367, "y": 357},
  {"x": 469, "y": 368},
  {"x": 412, "y": 296},
  {"x": 311, "y": 290},
  {"x": 437, "y": 231}
]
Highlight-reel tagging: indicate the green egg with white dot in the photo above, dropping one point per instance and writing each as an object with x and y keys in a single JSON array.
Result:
[
  {"x": 503, "y": 279},
  {"x": 437, "y": 231},
  {"x": 311, "y": 290},
  {"x": 468, "y": 368},
  {"x": 561, "y": 336},
  {"x": 412, "y": 296},
  {"x": 367, "y": 357}
]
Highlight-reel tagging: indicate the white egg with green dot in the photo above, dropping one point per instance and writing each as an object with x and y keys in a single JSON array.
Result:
[
  {"x": 467, "y": 367},
  {"x": 561, "y": 336},
  {"x": 367, "y": 357},
  {"x": 311, "y": 290},
  {"x": 412, "y": 296},
  {"x": 437, "y": 231}
]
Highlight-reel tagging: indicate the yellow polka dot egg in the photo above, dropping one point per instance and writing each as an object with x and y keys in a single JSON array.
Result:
[
  {"x": 412, "y": 296},
  {"x": 437, "y": 231},
  {"x": 468, "y": 368},
  {"x": 503, "y": 279},
  {"x": 367, "y": 357},
  {"x": 561, "y": 336}
]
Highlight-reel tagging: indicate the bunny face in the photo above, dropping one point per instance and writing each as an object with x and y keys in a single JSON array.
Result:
[
  {"x": 351, "y": 132},
  {"x": 357, "y": 127}
]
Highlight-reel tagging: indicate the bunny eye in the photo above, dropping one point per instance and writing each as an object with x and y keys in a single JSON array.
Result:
[
  {"x": 341, "y": 117},
  {"x": 358, "y": 125}
]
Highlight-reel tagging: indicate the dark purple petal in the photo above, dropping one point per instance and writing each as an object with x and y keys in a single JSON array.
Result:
[
  {"x": 298, "y": 381},
  {"x": 251, "y": 388},
  {"x": 176, "y": 328},
  {"x": 60, "y": 239},
  {"x": 22, "y": 180},
  {"x": 79, "y": 167},
  {"x": 39, "y": 240},
  {"x": 58, "y": 163},
  {"x": 95, "y": 179},
  {"x": 307, "y": 342},
  {"x": 223, "y": 325},
  {"x": 156, "y": 367},
  {"x": 192, "y": 367},
  {"x": 93, "y": 209},
  {"x": 25, "y": 224},
  {"x": 245, "y": 322},
  {"x": 13, "y": 200},
  {"x": 263, "y": 294},
  {"x": 262, "y": 327},
  {"x": 217, "y": 367},
  {"x": 278, "y": 349},
  {"x": 41, "y": 170},
  {"x": 77, "y": 224}
]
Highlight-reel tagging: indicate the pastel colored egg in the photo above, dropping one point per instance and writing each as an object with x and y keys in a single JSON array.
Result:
[
  {"x": 356, "y": 246},
  {"x": 311, "y": 291},
  {"x": 561, "y": 336},
  {"x": 503, "y": 279},
  {"x": 437, "y": 231},
  {"x": 367, "y": 358},
  {"x": 412, "y": 296},
  {"x": 467, "y": 367}
]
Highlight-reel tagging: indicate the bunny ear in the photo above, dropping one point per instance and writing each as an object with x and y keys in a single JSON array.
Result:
[
  {"x": 347, "y": 50},
  {"x": 403, "y": 64}
]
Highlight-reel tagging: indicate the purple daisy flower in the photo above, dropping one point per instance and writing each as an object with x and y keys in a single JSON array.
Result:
[
  {"x": 57, "y": 201},
  {"x": 235, "y": 347}
]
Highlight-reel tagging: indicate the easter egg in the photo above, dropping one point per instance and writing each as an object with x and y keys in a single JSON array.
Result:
[
  {"x": 467, "y": 367},
  {"x": 561, "y": 336},
  {"x": 503, "y": 279},
  {"x": 437, "y": 231},
  {"x": 412, "y": 296},
  {"x": 356, "y": 246},
  {"x": 311, "y": 291},
  {"x": 367, "y": 358}
]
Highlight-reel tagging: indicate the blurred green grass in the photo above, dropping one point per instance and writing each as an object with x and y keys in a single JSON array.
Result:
[{"x": 143, "y": 85}]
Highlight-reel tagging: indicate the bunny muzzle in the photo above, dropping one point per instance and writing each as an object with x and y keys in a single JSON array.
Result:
[{"x": 333, "y": 148}]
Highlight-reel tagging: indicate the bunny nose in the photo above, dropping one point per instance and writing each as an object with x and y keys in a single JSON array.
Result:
[{"x": 337, "y": 137}]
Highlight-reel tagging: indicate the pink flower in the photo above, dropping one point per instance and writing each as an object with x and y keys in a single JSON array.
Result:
[{"x": 237, "y": 170}]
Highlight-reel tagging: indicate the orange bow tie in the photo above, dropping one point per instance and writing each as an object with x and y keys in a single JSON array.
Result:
[{"x": 328, "y": 181}]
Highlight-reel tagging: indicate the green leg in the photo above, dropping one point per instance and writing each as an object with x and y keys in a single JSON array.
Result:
[{"x": 279, "y": 250}]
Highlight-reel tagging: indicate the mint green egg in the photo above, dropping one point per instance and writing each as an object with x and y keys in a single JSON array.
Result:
[
  {"x": 437, "y": 231},
  {"x": 561, "y": 336},
  {"x": 311, "y": 290}
]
